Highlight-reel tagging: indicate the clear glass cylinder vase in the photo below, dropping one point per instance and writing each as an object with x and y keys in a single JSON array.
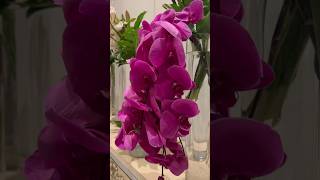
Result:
[
  {"x": 118, "y": 83},
  {"x": 198, "y": 142}
]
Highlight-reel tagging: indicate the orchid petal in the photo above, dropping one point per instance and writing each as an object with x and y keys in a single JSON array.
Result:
[
  {"x": 180, "y": 76},
  {"x": 169, "y": 124},
  {"x": 185, "y": 107},
  {"x": 158, "y": 52}
]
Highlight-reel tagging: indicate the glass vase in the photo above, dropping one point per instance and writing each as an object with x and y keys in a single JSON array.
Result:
[
  {"x": 119, "y": 80},
  {"x": 198, "y": 142}
]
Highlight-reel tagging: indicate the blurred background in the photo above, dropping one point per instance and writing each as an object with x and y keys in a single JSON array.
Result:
[
  {"x": 30, "y": 63},
  {"x": 297, "y": 118}
]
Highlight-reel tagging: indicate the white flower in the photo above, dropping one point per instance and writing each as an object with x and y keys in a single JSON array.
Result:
[{"x": 118, "y": 27}]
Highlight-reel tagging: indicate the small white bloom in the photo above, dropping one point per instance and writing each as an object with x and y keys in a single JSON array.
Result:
[{"x": 118, "y": 27}]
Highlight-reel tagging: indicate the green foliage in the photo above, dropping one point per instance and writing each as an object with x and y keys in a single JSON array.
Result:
[
  {"x": 139, "y": 20},
  {"x": 199, "y": 39},
  {"x": 128, "y": 39},
  {"x": 204, "y": 25},
  {"x": 128, "y": 43},
  {"x": 180, "y": 4}
]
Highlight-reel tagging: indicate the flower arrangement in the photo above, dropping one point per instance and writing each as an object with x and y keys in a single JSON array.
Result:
[
  {"x": 153, "y": 113},
  {"x": 199, "y": 42},
  {"x": 123, "y": 36}
]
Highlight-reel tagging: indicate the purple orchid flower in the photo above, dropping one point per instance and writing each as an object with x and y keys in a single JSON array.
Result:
[
  {"x": 130, "y": 115},
  {"x": 172, "y": 83},
  {"x": 142, "y": 75},
  {"x": 191, "y": 14},
  {"x": 153, "y": 113},
  {"x": 176, "y": 162},
  {"x": 245, "y": 148},
  {"x": 174, "y": 120}
]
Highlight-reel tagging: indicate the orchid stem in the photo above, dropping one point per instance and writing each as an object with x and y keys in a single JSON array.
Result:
[
  {"x": 164, "y": 153},
  {"x": 162, "y": 171},
  {"x": 182, "y": 146}
]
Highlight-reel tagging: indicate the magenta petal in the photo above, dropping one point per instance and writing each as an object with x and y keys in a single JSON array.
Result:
[
  {"x": 177, "y": 44},
  {"x": 185, "y": 107},
  {"x": 144, "y": 142},
  {"x": 182, "y": 16},
  {"x": 153, "y": 103},
  {"x": 170, "y": 28},
  {"x": 126, "y": 141},
  {"x": 143, "y": 48},
  {"x": 175, "y": 147},
  {"x": 152, "y": 133},
  {"x": 169, "y": 125},
  {"x": 195, "y": 9},
  {"x": 184, "y": 29},
  {"x": 158, "y": 52},
  {"x": 120, "y": 139},
  {"x": 142, "y": 75},
  {"x": 163, "y": 90},
  {"x": 168, "y": 15},
  {"x": 130, "y": 141},
  {"x": 178, "y": 164},
  {"x": 180, "y": 76},
  {"x": 184, "y": 127},
  {"x": 166, "y": 104},
  {"x": 146, "y": 26},
  {"x": 133, "y": 100}
]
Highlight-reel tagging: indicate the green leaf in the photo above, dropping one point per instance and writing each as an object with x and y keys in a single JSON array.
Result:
[
  {"x": 200, "y": 75},
  {"x": 204, "y": 25},
  {"x": 139, "y": 19},
  {"x": 166, "y": 6},
  {"x": 127, "y": 15}
]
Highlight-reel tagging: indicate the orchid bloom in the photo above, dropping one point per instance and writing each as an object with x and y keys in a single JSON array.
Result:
[{"x": 158, "y": 80}]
